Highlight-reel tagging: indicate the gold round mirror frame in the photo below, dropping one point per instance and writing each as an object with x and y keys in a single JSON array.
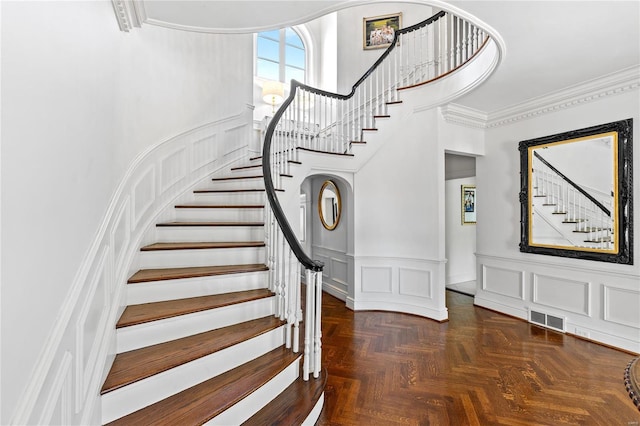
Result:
[{"x": 329, "y": 216}]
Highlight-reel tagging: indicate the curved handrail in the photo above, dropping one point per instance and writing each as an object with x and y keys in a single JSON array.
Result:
[{"x": 284, "y": 224}]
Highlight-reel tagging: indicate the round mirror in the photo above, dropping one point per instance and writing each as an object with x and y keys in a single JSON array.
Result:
[{"x": 329, "y": 205}]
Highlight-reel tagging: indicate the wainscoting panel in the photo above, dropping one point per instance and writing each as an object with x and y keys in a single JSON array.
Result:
[
  {"x": 121, "y": 232},
  {"x": 92, "y": 317},
  {"x": 502, "y": 281},
  {"x": 376, "y": 279},
  {"x": 415, "y": 282},
  {"x": 561, "y": 293},
  {"x": 621, "y": 306},
  {"x": 65, "y": 386},
  {"x": 173, "y": 168},
  {"x": 339, "y": 270},
  {"x": 57, "y": 408},
  {"x": 235, "y": 138},
  {"x": 335, "y": 277},
  {"x": 413, "y": 286},
  {"x": 144, "y": 194},
  {"x": 598, "y": 301}
]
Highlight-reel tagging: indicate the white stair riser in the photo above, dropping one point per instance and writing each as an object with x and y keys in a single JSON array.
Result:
[
  {"x": 157, "y": 291},
  {"x": 253, "y": 197},
  {"x": 142, "y": 335},
  {"x": 250, "y": 405},
  {"x": 248, "y": 183},
  {"x": 219, "y": 215},
  {"x": 200, "y": 257},
  {"x": 138, "y": 395},
  {"x": 209, "y": 233},
  {"x": 314, "y": 415}
]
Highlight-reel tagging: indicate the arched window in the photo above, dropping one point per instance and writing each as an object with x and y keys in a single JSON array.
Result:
[{"x": 280, "y": 56}]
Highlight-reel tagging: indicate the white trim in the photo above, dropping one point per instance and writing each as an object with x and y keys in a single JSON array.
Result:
[
  {"x": 548, "y": 261},
  {"x": 460, "y": 114},
  {"x": 336, "y": 6},
  {"x": 608, "y": 85}
]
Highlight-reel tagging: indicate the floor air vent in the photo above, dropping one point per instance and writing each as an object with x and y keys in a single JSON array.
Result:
[{"x": 546, "y": 320}]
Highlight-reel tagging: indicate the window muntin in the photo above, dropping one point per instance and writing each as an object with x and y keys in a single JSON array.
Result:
[{"x": 280, "y": 55}]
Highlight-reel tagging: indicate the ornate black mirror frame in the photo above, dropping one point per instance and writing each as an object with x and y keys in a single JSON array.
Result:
[{"x": 622, "y": 211}]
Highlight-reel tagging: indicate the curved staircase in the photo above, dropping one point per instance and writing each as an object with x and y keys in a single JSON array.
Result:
[
  {"x": 199, "y": 341},
  {"x": 211, "y": 333}
]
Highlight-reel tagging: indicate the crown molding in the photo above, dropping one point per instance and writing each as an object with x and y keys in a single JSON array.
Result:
[
  {"x": 459, "y": 114},
  {"x": 129, "y": 14},
  {"x": 612, "y": 84}
]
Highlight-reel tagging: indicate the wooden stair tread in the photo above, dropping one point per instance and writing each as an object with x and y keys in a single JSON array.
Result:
[
  {"x": 254, "y": 166},
  {"x": 206, "y": 400},
  {"x": 221, "y": 191},
  {"x": 161, "y": 274},
  {"x": 165, "y": 224},
  {"x": 293, "y": 405},
  {"x": 323, "y": 152},
  {"x": 219, "y": 206},
  {"x": 201, "y": 245},
  {"x": 221, "y": 179},
  {"x": 130, "y": 367},
  {"x": 154, "y": 311}
]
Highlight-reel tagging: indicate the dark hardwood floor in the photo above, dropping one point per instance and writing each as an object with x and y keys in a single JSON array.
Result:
[{"x": 479, "y": 368}]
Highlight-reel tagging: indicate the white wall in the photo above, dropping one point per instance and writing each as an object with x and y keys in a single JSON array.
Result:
[
  {"x": 80, "y": 100},
  {"x": 353, "y": 60},
  {"x": 599, "y": 300},
  {"x": 460, "y": 239},
  {"x": 399, "y": 220}
]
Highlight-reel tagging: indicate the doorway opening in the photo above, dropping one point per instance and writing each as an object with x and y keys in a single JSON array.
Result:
[{"x": 460, "y": 223}]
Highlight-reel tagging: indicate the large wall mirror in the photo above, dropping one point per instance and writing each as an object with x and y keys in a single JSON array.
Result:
[
  {"x": 576, "y": 194},
  {"x": 329, "y": 205}
]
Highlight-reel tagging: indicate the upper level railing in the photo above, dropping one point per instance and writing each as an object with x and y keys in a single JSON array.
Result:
[{"x": 316, "y": 120}]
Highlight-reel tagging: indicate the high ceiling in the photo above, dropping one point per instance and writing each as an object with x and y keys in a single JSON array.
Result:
[{"x": 550, "y": 45}]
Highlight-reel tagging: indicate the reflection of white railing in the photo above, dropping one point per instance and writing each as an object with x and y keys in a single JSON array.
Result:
[
  {"x": 312, "y": 119},
  {"x": 590, "y": 219}
]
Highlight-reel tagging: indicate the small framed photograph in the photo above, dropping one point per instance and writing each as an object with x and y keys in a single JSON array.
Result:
[
  {"x": 378, "y": 31},
  {"x": 468, "y": 206}
]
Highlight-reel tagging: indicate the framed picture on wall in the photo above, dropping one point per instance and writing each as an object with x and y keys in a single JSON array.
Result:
[
  {"x": 378, "y": 31},
  {"x": 468, "y": 204}
]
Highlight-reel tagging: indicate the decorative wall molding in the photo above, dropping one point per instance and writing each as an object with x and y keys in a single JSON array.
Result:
[
  {"x": 412, "y": 286},
  {"x": 493, "y": 277},
  {"x": 127, "y": 14},
  {"x": 459, "y": 114},
  {"x": 576, "y": 266},
  {"x": 609, "y": 85},
  {"x": 85, "y": 324},
  {"x": 598, "y": 303},
  {"x": 615, "y": 297},
  {"x": 562, "y": 293}
]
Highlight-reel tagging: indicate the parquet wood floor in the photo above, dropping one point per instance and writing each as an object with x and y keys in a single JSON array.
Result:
[{"x": 479, "y": 368}]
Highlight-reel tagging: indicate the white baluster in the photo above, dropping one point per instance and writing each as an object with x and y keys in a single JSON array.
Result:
[
  {"x": 308, "y": 328},
  {"x": 297, "y": 309},
  {"x": 317, "y": 347}
]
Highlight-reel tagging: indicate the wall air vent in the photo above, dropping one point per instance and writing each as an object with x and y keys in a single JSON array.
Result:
[{"x": 547, "y": 320}]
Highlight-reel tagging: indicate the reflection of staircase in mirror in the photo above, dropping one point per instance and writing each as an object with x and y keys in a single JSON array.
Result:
[{"x": 566, "y": 214}]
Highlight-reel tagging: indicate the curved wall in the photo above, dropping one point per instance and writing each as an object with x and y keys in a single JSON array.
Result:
[{"x": 80, "y": 101}]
